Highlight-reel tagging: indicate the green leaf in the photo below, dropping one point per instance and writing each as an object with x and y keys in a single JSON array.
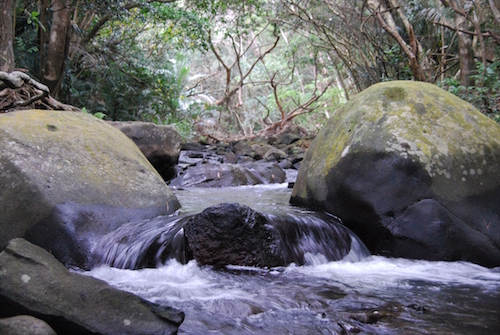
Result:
[{"x": 100, "y": 115}]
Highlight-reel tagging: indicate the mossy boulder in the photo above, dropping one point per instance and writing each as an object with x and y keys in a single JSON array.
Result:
[
  {"x": 413, "y": 170},
  {"x": 68, "y": 178}
]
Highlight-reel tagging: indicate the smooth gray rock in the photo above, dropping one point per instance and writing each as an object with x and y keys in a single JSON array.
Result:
[
  {"x": 25, "y": 325},
  {"x": 161, "y": 144},
  {"x": 33, "y": 282},
  {"x": 227, "y": 175}
]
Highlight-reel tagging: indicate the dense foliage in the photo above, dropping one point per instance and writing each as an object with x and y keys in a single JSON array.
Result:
[{"x": 234, "y": 68}]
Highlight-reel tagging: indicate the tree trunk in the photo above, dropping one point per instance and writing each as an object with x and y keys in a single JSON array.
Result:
[
  {"x": 58, "y": 49},
  {"x": 42, "y": 36},
  {"x": 386, "y": 20},
  {"x": 464, "y": 52},
  {"x": 495, "y": 8},
  {"x": 7, "y": 63}
]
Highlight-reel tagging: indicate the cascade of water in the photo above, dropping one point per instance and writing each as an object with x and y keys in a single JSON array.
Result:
[
  {"x": 146, "y": 243},
  {"x": 322, "y": 297},
  {"x": 307, "y": 238},
  {"x": 303, "y": 238}
]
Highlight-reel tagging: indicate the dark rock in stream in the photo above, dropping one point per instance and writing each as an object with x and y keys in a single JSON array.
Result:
[
  {"x": 234, "y": 234},
  {"x": 33, "y": 282}
]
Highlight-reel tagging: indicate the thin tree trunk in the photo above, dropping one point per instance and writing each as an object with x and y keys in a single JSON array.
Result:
[
  {"x": 341, "y": 82},
  {"x": 495, "y": 8},
  {"x": 42, "y": 35},
  {"x": 7, "y": 63},
  {"x": 58, "y": 50},
  {"x": 386, "y": 20},
  {"x": 466, "y": 55}
]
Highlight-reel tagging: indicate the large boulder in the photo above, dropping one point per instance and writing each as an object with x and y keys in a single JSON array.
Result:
[
  {"x": 412, "y": 170},
  {"x": 161, "y": 144},
  {"x": 68, "y": 178},
  {"x": 33, "y": 282}
]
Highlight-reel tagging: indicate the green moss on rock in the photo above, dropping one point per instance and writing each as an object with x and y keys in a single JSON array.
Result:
[
  {"x": 413, "y": 170},
  {"x": 395, "y": 93},
  {"x": 417, "y": 121},
  {"x": 51, "y": 159}
]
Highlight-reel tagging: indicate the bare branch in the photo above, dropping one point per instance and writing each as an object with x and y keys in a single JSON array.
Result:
[
  {"x": 241, "y": 82},
  {"x": 495, "y": 10},
  {"x": 204, "y": 78}
]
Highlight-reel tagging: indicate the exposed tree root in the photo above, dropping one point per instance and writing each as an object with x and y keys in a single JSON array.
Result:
[{"x": 19, "y": 91}]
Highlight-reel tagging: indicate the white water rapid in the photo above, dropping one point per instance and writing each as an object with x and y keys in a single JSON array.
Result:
[{"x": 373, "y": 295}]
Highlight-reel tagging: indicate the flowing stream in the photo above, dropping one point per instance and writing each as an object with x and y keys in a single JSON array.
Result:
[{"x": 368, "y": 295}]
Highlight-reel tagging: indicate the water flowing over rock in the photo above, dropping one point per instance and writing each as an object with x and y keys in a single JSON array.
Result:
[
  {"x": 412, "y": 170},
  {"x": 146, "y": 243},
  {"x": 229, "y": 234},
  {"x": 33, "y": 282},
  {"x": 68, "y": 178},
  {"x": 161, "y": 144}
]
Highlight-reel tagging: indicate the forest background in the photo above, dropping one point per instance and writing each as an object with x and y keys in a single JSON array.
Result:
[{"x": 233, "y": 68}]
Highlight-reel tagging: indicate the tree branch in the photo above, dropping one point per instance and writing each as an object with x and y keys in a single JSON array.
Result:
[
  {"x": 103, "y": 20},
  {"x": 240, "y": 84}
]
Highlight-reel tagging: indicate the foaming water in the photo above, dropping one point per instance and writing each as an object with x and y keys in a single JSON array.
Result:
[
  {"x": 368, "y": 295},
  {"x": 300, "y": 238},
  {"x": 410, "y": 297},
  {"x": 377, "y": 272},
  {"x": 145, "y": 243}
]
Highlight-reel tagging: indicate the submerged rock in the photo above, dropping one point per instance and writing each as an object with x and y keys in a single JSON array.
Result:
[
  {"x": 412, "y": 170},
  {"x": 33, "y": 282},
  {"x": 67, "y": 178},
  {"x": 229, "y": 234}
]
